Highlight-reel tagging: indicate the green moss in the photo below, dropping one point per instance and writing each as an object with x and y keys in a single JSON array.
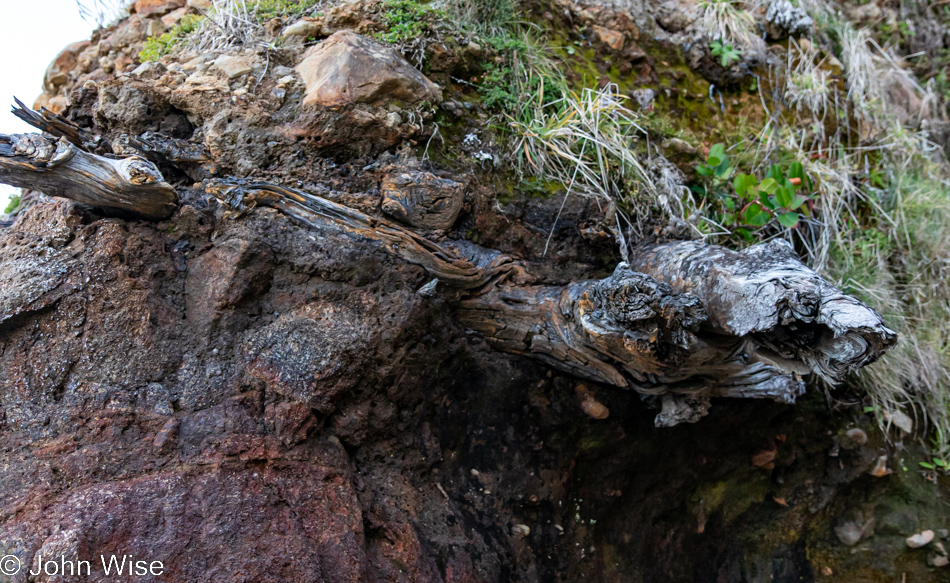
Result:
[
  {"x": 157, "y": 47},
  {"x": 14, "y": 203}
]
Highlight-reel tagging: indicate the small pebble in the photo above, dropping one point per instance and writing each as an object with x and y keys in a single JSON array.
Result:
[
  {"x": 920, "y": 540},
  {"x": 520, "y": 530},
  {"x": 853, "y": 438},
  {"x": 589, "y": 403},
  {"x": 849, "y": 534}
]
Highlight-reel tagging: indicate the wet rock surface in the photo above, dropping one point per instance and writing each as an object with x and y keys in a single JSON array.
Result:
[{"x": 245, "y": 402}]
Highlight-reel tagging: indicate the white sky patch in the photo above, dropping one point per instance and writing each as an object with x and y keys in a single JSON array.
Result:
[{"x": 31, "y": 35}]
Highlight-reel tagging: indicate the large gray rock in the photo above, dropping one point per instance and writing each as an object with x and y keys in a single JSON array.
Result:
[{"x": 348, "y": 68}]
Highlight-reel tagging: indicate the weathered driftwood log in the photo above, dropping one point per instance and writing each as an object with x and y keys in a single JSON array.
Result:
[
  {"x": 737, "y": 324},
  {"x": 445, "y": 264},
  {"x": 630, "y": 331},
  {"x": 60, "y": 168},
  {"x": 766, "y": 293}
]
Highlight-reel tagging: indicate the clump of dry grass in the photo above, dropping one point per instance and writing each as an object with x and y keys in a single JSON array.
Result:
[
  {"x": 726, "y": 21},
  {"x": 880, "y": 88},
  {"x": 228, "y": 23},
  {"x": 586, "y": 142},
  {"x": 807, "y": 86},
  {"x": 880, "y": 227},
  {"x": 102, "y": 12}
]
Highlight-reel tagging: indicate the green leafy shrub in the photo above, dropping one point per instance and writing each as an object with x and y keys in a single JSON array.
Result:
[
  {"x": 935, "y": 464},
  {"x": 746, "y": 204},
  {"x": 157, "y": 47},
  {"x": 407, "y": 20}
]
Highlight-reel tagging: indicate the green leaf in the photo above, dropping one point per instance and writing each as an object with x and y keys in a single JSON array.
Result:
[
  {"x": 729, "y": 203},
  {"x": 796, "y": 170},
  {"x": 869, "y": 409},
  {"x": 768, "y": 185},
  {"x": 724, "y": 171},
  {"x": 745, "y": 234},
  {"x": 751, "y": 211},
  {"x": 797, "y": 202},
  {"x": 767, "y": 201},
  {"x": 926, "y": 465},
  {"x": 754, "y": 215},
  {"x": 783, "y": 196},
  {"x": 742, "y": 183},
  {"x": 940, "y": 463},
  {"x": 718, "y": 150},
  {"x": 788, "y": 220},
  {"x": 704, "y": 170},
  {"x": 775, "y": 173}
]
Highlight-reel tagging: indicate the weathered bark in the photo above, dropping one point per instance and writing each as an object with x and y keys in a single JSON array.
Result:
[
  {"x": 60, "y": 168},
  {"x": 630, "y": 331},
  {"x": 766, "y": 293},
  {"x": 57, "y": 126},
  {"x": 161, "y": 149},
  {"x": 445, "y": 264}
]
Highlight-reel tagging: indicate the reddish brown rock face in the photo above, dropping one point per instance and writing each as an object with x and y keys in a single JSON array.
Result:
[
  {"x": 156, "y": 7},
  {"x": 122, "y": 458},
  {"x": 57, "y": 74}
]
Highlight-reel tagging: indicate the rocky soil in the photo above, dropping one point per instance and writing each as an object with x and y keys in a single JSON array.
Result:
[{"x": 245, "y": 399}]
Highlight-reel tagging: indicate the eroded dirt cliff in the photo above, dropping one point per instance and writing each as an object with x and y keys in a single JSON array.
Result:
[{"x": 245, "y": 398}]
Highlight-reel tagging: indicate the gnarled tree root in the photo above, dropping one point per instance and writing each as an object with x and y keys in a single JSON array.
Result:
[
  {"x": 685, "y": 321},
  {"x": 681, "y": 323}
]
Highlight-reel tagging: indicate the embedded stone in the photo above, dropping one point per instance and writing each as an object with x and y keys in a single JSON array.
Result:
[
  {"x": 422, "y": 199},
  {"x": 347, "y": 68}
]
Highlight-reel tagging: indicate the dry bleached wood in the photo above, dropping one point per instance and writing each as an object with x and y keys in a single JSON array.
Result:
[
  {"x": 630, "y": 331},
  {"x": 60, "y": 168},
  {"x": 767, "y": 294},
  {"x": 57, "y": 126}
]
